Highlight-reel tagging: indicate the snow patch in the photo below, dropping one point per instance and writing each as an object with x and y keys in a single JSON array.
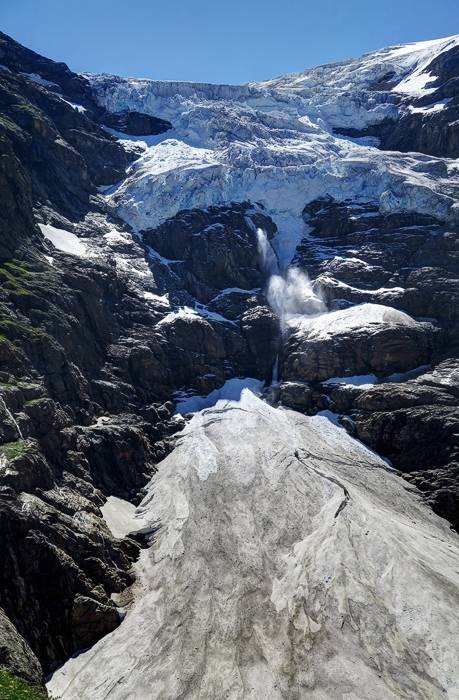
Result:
[
  {"x": 232, "y": 390},
  {"x": 121, "y": 517},
  {"x": 64, "y": 240},
  {"x": 325, "y": 326},
  {"x": 164, "y": 299},
  {"x": 36, "y": 78},
  {"x": 364, "y": 381},
  {"x": 75, "y": 106},
  {"x": 430, "y": 109}
]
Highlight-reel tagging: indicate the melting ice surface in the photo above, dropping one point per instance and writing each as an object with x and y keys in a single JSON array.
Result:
[
  {"x": 272, "y": 525},
  {"x": 231, "y": 390}
]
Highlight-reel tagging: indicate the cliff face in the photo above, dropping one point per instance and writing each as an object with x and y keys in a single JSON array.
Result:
[{"x": 132, "y": 280}]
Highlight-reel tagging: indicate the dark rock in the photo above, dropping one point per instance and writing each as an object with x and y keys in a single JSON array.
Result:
[
  {"x": 298, "y": 395},
  {"x": 416, "y": 425},
  {"x": 135, "y": 123},
  {"x": 19, "y": 59},
  {"x": 261, "y": 328},
  {"x": 16, "y": 654},
  {"x": 216, "y": 248},
  {"x": 377, "y": 348},
  {"x": 92, "y": 619}
]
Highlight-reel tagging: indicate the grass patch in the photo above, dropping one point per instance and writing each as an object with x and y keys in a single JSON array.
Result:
[
  {"x": 34, "y": 402},
  {"x": 12, "y": 450},
  {"x": 17, "y": 269},
  {"x": 8, "y": 387},
  {"x": 13, "y": 688},
  {"x": 20, "y": 329},
  {"x": 14, "y": 277},
  {"x": 9, "y": 126}
]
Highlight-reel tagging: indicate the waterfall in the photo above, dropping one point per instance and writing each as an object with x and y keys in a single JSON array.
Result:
[
  {"x": 275, "y": 374},
  {"x": 11, "y": 417},
  {"x": 289, "y": 294},
  {"x": 268, "y": 258}
]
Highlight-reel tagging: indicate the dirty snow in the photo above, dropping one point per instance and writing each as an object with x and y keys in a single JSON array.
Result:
[{"x": 287, "y": 555}]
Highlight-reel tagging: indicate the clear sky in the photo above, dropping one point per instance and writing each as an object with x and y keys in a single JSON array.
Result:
[{"x": 219, "y": 41}]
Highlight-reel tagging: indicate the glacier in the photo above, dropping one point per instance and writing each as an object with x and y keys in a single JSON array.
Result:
[
  {"x": 294, "y": 565},
  {"x": 274, "y": 143}
]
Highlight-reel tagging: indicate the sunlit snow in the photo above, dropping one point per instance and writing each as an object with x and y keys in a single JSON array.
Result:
[{"x": 64, "y": 240}]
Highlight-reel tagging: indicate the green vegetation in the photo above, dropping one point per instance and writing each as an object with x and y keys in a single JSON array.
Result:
[
  {"x": 8, "y": 387},
  {"x": 20, "y": 329},
  {"x": 13, "y": 688},
  {"x": 16, "y": 280},
  {"x": 16, "y": 269},
  {"x": 26, "y": 107},
  {"x": 34, "y": 402},
  {"x": 11, "y": 450},
  {"x": 6, "y": 346},
  {"x": 14, "y": 277},
  {"x": 10, "y": 126}
]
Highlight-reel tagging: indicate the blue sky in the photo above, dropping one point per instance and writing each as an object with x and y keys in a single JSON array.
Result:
[{"x": 215, "y": 41}]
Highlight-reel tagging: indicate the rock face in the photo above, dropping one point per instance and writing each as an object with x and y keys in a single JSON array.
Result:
[
  {"x": 213, "y": 250},
  {"x": 135, "y": 123},
  {"x": 263, "y": 595},
  {"x": 15, "y": 653},
  {"x": 416, "y": 425},
  {"x": 362, "y": 339}
]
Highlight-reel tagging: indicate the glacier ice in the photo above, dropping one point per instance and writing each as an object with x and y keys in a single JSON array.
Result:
[
  {"x": 273, "y": 143},
  {"x": 292, "y": 565}
]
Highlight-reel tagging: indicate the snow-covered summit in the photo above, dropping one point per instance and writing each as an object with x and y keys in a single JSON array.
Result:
[{"x": 397, "y": 61}]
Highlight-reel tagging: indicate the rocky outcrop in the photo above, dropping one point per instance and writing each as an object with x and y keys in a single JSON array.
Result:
[
  {"x": 213, "y": 249},
  {"x": 21, "y": 60},
  {"x": 415, "y": 424},
  {"x": 135, "y": 123},
  {"x": 16, "y": 654},
  {"x": 359, "y": 340}
]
